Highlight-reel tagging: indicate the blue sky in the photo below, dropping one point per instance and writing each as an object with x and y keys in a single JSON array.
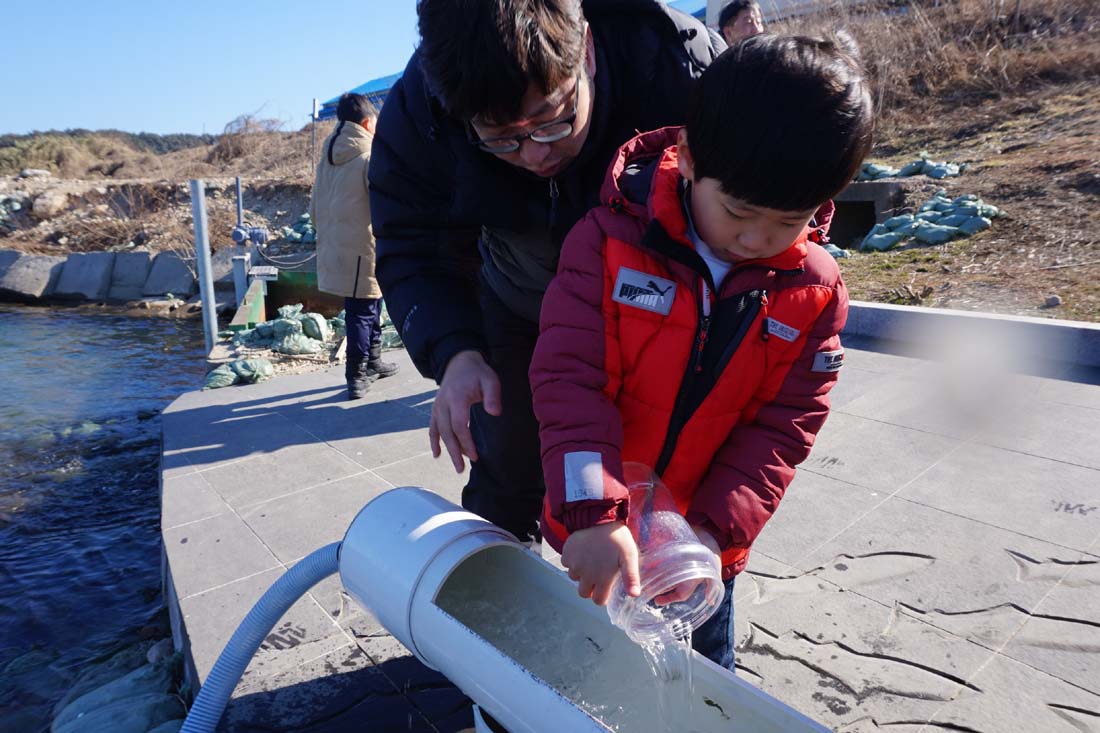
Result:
[{"x": 163, "y": 67}]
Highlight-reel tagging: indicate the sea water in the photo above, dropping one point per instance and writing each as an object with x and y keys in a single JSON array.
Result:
[{"x": 80, "y": 394}]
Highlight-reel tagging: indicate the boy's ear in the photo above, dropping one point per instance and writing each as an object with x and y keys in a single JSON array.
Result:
[{"x": 684, "y": 161}]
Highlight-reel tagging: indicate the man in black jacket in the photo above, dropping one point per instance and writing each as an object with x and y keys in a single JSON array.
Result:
[{"x": 492, "y": 145}]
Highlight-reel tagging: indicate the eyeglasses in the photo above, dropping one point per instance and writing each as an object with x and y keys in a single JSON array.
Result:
[{"x": 551, "y": 132}]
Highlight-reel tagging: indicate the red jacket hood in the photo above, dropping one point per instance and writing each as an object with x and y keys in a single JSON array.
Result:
[{"x": 664, "y": 201}]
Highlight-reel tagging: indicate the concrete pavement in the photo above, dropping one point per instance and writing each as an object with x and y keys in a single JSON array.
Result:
[{"x": 934, "y": 566}]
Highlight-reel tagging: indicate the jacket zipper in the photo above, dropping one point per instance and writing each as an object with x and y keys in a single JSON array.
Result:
[
  {"x": 680, "y": 413},
  {"x": 704, "y": 326}
]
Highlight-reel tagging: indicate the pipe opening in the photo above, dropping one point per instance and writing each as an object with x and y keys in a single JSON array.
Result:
[{"x": 520, "y": 605}]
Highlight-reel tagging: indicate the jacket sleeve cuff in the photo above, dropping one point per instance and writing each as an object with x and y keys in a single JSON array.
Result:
[
  {"x": 585, "y": 515},
  {"x": 450, "y": 345},
  {"x": 724, "y": 538}
]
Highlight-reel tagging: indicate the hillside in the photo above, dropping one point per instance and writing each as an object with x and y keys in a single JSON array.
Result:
[{"x": 1008, "y": 88}]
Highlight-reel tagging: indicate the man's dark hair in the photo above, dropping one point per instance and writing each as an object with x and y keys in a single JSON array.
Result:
[
  {"x": 782, "y": 122},
  {"x": 732, "y": 9},
  {"x": 479, "y": 56},
  {"x": 354, "y": 108}
]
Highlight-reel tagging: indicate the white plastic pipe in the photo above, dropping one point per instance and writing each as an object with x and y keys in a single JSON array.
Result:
[{"x": 510, "y": 631}]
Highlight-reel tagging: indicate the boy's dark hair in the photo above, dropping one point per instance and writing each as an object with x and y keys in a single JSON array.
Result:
[
  {"x": 782, "y": 122},
  {"x": 734, "y": 8},
  {"x": 354, "y": 108},
  {"x": 479, "y": 56}
]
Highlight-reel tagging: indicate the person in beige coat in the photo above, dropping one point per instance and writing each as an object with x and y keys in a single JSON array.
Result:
[{"x": 340, "y": 208}]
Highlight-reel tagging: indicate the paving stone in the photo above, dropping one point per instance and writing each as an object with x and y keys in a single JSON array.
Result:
[
  {"x": 169, "y": 274},
  {"x": 1062, "y": 637},
  {"x": 813, "y": 511},
  {"x": 930, "y": 562},
  {"x": 341, "y": 688},
  {"x": 436, "y": 474},
  {"x": 838, "y": 657},
  {"x": 939, "y": 399},
  {"x": 85, "y": 276},
  {"x": 853, "y": 383},
  {"x": 302, "y": 635},
  {"x": 295, "y": 525},
  {"x": 373, "y": 444},
  {"x": 1051, "y": 500},
  {"x": 273, "y": 473},
  {"x": 188, "y": 498},
  {"x": 128, "y": 276},
  {"x": 874, "y": 454},
  {"x": 1051, "y": 430},
  {"x": 350, "y": 616},
  {"x": 214, "y": 436},
  {"x": 1014, "y": 697},
  {"x": 211, "y": 552},
  {"x": 30, "y": 277},
  {"x": 1078, "y": 387}
]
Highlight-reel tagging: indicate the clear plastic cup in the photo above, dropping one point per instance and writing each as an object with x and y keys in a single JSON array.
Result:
[{"x": 669, "y": 554}]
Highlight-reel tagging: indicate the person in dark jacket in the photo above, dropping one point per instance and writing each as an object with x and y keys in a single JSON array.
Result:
[{"x": 488, "y": 150}]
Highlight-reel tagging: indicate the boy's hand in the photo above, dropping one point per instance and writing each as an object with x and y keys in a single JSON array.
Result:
[
  {"x": 595, "y": 555},
  {"x": 683, "y": 591}
]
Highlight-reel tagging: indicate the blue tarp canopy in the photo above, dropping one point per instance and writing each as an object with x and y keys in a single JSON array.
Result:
[
  {"x": 697, "y": 8},
  {"x": 375, "y": 90}
]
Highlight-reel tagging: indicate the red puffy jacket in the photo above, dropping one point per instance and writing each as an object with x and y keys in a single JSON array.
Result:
[{"x": 723, "y": 399}]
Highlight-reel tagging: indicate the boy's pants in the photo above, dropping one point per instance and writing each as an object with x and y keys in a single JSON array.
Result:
[
  {"x": 714, "y": 639},
  {"x": 363, "y": 320}
]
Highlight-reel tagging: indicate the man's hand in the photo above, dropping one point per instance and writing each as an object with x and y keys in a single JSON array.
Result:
[
  {"x": 684, "y": 590},
  {"x": 467, "y": 380},
  {"x": 595, "y": 555}
]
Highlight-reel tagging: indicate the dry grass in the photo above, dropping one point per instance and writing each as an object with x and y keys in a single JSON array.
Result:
[{"x": 965, "y": 51}]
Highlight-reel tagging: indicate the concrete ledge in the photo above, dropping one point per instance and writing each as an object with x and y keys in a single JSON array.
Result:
[
  {"x": 169, "y": 274},
  {"x": 86, "y": 276},
  {"x": 1029, "y": 339},
  {"x": 30, "y": 277},
  {"x": 128, "y": 277}
]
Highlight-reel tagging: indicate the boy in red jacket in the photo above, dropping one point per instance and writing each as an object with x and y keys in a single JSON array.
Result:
[{"x": 694, "y": 322}]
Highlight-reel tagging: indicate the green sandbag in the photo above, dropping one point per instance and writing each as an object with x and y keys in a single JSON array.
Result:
[
  {"x": 929, "y": 216},
  {"x": 221, "y": 376},
  {"x": 912, "y": 169},
  {"x": 909, "y": 229},
  {"x": 989, "y": 212},
  {"x": 880, "y": 242},
  {"x": 835, "y": 251},
  {"x": 896, "y": 221},
  {"x": 942, "y": 170},
  {"x": 290, "y": 311},
  {"x": 314, "y": 325},
  {"x": 966, "y": 198},
  {"x": 935, "y": 234},
  {"x": 968, "y": 210},
  {"x": 953, "y": 220},
  {"x": 289, "y": 338},
  {"x": 975, "y": 224},
  {"x": 251, "y": 371}
]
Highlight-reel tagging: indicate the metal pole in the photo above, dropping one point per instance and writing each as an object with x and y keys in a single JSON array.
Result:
[
  {"x": 202, "y": 252},
  {"x": 240, "y": 204},
  {"x": 313, "y": 136}
]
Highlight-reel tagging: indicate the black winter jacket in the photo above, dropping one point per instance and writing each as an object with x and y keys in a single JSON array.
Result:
[{"x": 442, "y": 209}]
